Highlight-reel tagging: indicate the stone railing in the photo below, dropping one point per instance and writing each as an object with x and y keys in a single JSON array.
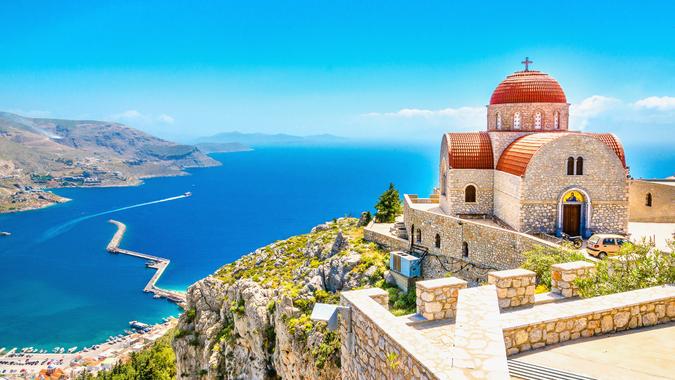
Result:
[
  {"x": 563, "y": 276},
  {"x": 437, "y": 299},
  {"x": 554, "y": 323},
  {"x": 515, "y": 287}
]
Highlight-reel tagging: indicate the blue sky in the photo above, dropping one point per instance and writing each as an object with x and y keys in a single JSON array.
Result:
[{"x": 185, "y": 68}]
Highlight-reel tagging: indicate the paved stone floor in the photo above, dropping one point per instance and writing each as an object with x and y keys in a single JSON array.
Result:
[
  {"x": 440, "y": 332},
  {"x": 647, "y": 353}
]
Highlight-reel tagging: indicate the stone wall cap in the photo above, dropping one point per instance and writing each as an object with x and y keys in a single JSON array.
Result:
[
  {"x": 518, "y": 272},
  {"x": 573, "y": 265},
  {"x": 441, "y": 283}
]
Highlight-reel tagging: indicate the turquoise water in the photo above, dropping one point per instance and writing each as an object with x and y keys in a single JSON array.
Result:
[{"x": 59, "y": 287}]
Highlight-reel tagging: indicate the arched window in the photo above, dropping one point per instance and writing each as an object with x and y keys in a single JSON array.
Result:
[
  {"x": 412, "y": 233},
  {"x": 580, "y": 165},
  {"x": 570, "y": 166},
  {"x": 465, "y": 249},
  {"x": 648, "y": 200},
  {"x": 438, "y": 241},
  {"x": 556, "y": 122},
  {"x": 516, "y": 120},
  {"x": 470, "y": 194},
  {"x": 537, "y": 120},
  {"x": 499, "y": 121},
  {"x": 419, "y": 236}
]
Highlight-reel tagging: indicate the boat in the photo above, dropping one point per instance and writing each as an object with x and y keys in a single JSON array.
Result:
[
  {"x": 72, "y": 349},
  {"x": 187, "y": 194},
  {"x": 5, "y": 233}
]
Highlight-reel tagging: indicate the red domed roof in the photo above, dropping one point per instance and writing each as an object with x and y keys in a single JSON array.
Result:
[{"x": 528, "y": 87}]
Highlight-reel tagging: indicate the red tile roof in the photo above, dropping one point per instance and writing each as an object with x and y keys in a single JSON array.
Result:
[
  {"x": 518, "y": 154},
  {"x": 469, "y": 150},
  {"x": 528, "y": 87}
]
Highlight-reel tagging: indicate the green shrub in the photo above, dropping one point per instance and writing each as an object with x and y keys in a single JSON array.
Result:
[
  {"x": 637, "y": 266},
  {"x": 388, "y": 206},
  {"x": 327, "y": 350},
  {"x": 190, "y": 315},
  {"x": 157, "y": 362},
  {"x": 540, "y": 258},
  {"x": 400, "y": 302}
]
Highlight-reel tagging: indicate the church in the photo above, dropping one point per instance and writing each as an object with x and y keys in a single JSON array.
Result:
[{"x": 529, "y": 171}]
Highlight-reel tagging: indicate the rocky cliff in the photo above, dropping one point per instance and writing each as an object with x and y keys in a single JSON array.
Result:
[{"x": 250, "y": 319}]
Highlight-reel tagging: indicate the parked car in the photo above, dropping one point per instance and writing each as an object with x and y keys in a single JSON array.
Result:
[{"x": 603, "y": 245}]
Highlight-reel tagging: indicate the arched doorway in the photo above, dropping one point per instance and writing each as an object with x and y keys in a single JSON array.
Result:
[{"x": 574, "y": 214}]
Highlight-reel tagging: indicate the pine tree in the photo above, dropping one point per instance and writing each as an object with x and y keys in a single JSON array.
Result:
[{"x": 388, "y": 206}]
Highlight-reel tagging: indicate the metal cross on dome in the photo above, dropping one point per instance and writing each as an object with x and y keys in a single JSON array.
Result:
[{"x": 527, "y": 62}]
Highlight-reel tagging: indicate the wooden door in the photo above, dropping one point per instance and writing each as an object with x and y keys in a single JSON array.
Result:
[{"x": 571, "y": 219}]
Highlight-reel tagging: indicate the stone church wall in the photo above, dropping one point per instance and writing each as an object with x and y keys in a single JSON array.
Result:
[
  {"x": 490, "y": 246},
  {"x": 456, "y": 182},
  {"x": 662, "y": 209},
  {"x": 527, "y": 112},
  {"x": 507, "y": 198},
  {"x": 603, "y": 179}
]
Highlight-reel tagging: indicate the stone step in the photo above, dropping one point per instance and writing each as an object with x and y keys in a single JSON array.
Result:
[{"x": 527, "y": 371}]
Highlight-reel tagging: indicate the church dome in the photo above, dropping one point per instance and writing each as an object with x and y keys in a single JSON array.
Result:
[{"x": 528, "y": 87}]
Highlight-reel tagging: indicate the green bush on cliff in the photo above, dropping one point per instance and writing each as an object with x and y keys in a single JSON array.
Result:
[
  {"x": 638, "y": 266},
  {"x": 540, "y": 258},
  {"x": 388, "y": 206},
  {"x": 158, "y": 362}
]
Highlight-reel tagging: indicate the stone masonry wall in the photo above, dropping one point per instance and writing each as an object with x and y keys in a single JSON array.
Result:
[
  {"x": 662, "y": 209},
  {"x": 372, "y": 353},
  {"x": 437, "y": 299},
  {"x": 527, "y": 113},
  {"x": 515, "y": 287},
  {"x": 563, "y": 276},
  {"x": 487, "y": 245},
  {"x": 456, "y": 182},
  {"x": 560, "y": 328},
  {"x": 603, "y": 179},
  {"x": 507, "y": 198}
]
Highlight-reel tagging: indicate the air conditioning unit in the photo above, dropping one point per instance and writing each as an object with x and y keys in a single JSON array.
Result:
[{"x": 405, "y": 264}]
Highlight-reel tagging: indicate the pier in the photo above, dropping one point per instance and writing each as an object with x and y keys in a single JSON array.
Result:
[{"x": 154, "y": 262}]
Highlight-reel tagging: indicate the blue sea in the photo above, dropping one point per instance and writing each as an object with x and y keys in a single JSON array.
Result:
[{"x": 59, "y": 286}]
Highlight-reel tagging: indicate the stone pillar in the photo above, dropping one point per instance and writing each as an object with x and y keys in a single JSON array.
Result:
[
  {"x": 563, "y": 276},
  {"x": 382, "y": 299},
  {"x": 437, "y": 299},
  {"x": 515, "y": 287}
]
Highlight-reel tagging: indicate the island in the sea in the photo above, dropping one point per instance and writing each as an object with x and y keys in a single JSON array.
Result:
[{"x": 39, "y": 154}]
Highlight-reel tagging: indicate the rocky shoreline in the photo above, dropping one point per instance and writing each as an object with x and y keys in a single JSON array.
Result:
[{"x": 250, "y": 319}]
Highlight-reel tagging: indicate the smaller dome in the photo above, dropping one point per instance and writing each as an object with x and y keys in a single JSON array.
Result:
[{"x": 528, "y": 87}]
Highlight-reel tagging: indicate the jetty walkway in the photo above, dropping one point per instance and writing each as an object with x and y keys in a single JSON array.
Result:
[{"x": 154, "y": 262}]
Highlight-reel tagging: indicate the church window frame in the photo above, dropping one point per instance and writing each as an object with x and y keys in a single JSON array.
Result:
[
  {"x": 570, "y": 165},
  {"x": 537, "y": 120},
  {"x": 418, "y": 237},
  {"x": 465, "y": 249},
  {"x": 470, "y": 193},
  {"x": 498, "y": 121},
  {"x": 556, "y": 120},
  {"x": 648, "y": 200},
  {"x": 437, "y": 241},
  {"x": 579, "y": 167},
  {"x": 516, "y": 120}
]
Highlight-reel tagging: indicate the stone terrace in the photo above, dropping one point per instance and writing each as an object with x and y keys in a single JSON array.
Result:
[{"x": 475, "y": 344}]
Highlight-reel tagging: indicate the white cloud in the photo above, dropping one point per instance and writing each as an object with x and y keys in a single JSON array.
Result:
[
  {"x": 164, "y": 118},
  {"x": 134, "y": 116},
  {"x": 661, "y": 103},
  {"x": 462, "y": 118},
  {"x": 590, "y": 108}
]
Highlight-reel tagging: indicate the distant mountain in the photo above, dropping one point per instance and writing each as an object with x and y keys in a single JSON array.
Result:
[
  {"x": 38, "y": 153},
  {"x": 226, "y": 147},
  {"x": 261, "y": 139}
]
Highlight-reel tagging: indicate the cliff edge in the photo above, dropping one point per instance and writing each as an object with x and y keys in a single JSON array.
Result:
[{"x": 250, "y": 319}]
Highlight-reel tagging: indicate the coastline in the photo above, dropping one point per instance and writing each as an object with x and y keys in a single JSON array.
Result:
[{"x": 102, "y": 356}]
